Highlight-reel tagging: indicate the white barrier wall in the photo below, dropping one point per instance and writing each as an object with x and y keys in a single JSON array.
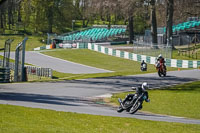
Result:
[
  {"x": 135, "y": 57},
  {"x": 148, "y": 59}
]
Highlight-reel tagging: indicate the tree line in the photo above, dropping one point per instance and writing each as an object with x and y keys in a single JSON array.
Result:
[{"x": 42, "y": 16}]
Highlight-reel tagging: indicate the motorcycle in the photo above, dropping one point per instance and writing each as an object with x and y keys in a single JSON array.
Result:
[
  {"x": 132, "y": 104},
  {"x": 143, "y": 67},
  {"x": 161, "y": 69}
]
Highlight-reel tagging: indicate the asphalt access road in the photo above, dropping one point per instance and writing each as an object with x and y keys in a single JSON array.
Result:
[
  {"x": 79, "y": 95},
  {"x": 41, "y": 60}
]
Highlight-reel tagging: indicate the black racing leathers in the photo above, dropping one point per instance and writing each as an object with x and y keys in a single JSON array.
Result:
[{"x": 139, "y": 91}]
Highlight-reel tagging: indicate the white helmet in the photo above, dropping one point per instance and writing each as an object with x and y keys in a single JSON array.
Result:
[
  {"x": 145, "y": 86},
  {"x": 160, "y": 56}
]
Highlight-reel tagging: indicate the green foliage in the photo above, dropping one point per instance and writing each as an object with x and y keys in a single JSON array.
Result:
[
  {"x": 180, "y": 100},
  {"x": 191, "y": 53},
  {"x": 140, "y": 25},
  {"x": 32, "y": 42},
  {"x": 23, "y": 120},
  {"x": 41, "y": 16}
]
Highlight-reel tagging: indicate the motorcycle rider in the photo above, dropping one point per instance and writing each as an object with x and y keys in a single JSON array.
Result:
[
  {"x": 139, "y": 91},
  {"x": 160, "y": 60},
  {"x": 143, "y": 66}
]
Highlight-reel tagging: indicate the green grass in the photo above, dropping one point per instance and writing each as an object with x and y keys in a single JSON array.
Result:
[
  {"x": 32, "y": 42},
  {"x": 120, "y": 66},
  {"x": 181, "y": 100},
  {"x": 20, "y": 119},
  {"x": 30, "y": 77},
  {"x": 185, "y": 57}
]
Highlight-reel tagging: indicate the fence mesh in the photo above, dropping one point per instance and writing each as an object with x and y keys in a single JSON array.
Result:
[
  {"x": 6, "y": 58},
  {"x": 19, "y": 61},
  {"x": 32, "y": 71},
  {"x": 152, "y": 50}
]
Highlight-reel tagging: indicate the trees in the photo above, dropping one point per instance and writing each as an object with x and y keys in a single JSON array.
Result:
[
  {"x": 2, "y": 1},
  {"x": 36, "y": 15},
  {"x": 129, "y": 9},
  {"x": 169, "y": 21},
  {"x": 116, "y": 10},
  {"x": 186, "y": 8},
  {"x": 182, "y": 9},
  {"x": 153, "y": 23},
  {"x": 8, "y": 10},
  {"x": 56, "y": 15}
]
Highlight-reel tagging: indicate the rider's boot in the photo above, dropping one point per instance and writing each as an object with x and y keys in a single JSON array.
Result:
[{"x": 140, "y": 107}]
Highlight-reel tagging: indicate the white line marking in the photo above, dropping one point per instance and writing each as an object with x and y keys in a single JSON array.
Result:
[{"x": 104, "y": 96}]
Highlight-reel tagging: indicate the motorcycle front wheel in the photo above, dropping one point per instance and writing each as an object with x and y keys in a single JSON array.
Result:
[
  {"x": 135, "y": 108},
  {"x": 120, "y": 109}
]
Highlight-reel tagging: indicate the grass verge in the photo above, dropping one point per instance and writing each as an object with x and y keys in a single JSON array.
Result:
[
  {"x": 23, "y": 120},
  {"x": 181, "y": 100},
  {"x": 185, "y": 56},
  {"x": 120, "y": 66},
  {"x": 32, "y": 42}
]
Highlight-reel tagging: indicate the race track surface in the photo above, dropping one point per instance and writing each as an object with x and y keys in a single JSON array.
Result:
[
  {"x": 41, "y": 60},
  {"x": 79, "y": 95}
]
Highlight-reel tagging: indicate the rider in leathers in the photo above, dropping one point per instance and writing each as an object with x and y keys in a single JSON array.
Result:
[
  {"x": 160, "y": 60},
  {"x": 139, "y": 91}
]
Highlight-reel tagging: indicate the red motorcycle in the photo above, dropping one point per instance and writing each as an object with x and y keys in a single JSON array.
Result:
[{"x": 161, "y": 69}]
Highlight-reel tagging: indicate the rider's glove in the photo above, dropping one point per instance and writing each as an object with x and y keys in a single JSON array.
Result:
[{"x": 147, "y": 100}]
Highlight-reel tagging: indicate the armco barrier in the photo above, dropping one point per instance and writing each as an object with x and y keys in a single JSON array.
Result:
[{"x": 135, "y": 57}]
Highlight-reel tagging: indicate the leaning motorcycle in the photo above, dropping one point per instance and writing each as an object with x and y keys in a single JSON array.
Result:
[
  {"x": 133, "y": 104},
  {"x": 161, "y": 69}
]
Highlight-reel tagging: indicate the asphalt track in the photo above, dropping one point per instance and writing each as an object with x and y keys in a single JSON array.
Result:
[
  {"x": 80, "y": 95},
  {"x": 41, "y": 60}
]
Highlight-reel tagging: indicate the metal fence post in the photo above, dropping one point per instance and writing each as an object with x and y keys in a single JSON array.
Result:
[
  {"x": 16, "y": 65},
  {"x": 47, "y": 38},
  {"x": 6, "y": 58},
  {"x": 23, "y": 59}
]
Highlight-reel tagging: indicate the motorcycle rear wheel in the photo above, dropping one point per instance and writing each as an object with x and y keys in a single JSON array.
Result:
[
  {"x": 164, "y": 74},
  {"x": 159, "y": 73},
  {"x": 135, "y": 108}
]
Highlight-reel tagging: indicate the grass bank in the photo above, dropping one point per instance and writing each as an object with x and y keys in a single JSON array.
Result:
[
  {"x": 185, "y": 56},
  {"x": 181, "y": 100},
  {"x": 32, "y": 42},
  {"x": 23, "y": 120},
  {"x": 119, "y": 66}
]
